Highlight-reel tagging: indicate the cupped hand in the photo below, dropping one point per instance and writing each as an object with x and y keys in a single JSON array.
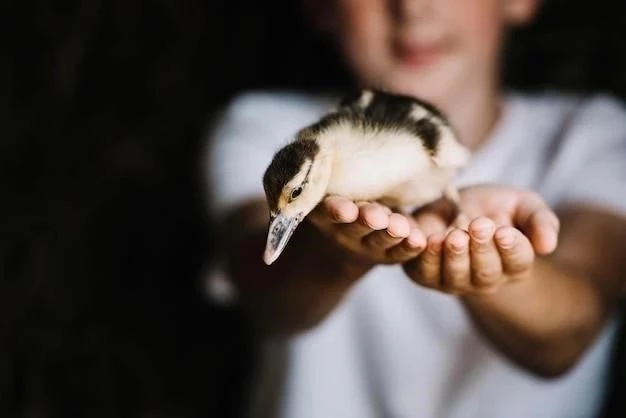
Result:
[
  {"x": 508, "y": 228},
  {"x": 369, "y": 231}
]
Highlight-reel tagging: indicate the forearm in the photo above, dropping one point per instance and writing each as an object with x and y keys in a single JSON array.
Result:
[
  {"x": 544, "y": 322},
  {"x": 298, "y": 290}
]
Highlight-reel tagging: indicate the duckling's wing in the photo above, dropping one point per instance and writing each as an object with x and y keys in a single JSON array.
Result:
[
  {"x": 449, "y": 152},
  {"x": 357, "y": 99},
  {"x": 426, "y": 122},
  {"x": 438, "y": 137}
]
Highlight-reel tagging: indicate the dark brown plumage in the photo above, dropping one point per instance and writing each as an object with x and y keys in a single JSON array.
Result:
[{"x": 286, "y": 164}]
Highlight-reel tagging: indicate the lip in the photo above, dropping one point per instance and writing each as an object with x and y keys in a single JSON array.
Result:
[{"x": 416, "y": 54}]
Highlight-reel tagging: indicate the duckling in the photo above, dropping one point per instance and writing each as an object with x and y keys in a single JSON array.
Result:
[{"x": 375, "y": 146}]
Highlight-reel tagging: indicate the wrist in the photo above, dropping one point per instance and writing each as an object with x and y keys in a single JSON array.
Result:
[{"x": 512, "y": 290}]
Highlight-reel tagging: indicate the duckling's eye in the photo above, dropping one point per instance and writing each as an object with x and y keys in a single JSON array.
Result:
[{"x": 296, "y": 192}]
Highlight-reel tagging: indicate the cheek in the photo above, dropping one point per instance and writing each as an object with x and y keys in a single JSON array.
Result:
[
  {"x": 282, "y": 203},
  {"x": 363, "y": 29},
  {"x": 479, "y": 27}
]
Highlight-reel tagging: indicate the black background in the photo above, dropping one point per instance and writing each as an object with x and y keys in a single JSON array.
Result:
[{"x": 104, "y": 107}]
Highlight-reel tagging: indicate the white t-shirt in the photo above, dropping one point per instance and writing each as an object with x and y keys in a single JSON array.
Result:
[{"x": 394, "y": 349}]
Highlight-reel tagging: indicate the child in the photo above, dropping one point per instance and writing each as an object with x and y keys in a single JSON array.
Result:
[{"x": 370, "y": 313}]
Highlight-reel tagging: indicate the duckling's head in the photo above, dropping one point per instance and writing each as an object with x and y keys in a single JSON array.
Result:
[{"x": 295, "y": 182}]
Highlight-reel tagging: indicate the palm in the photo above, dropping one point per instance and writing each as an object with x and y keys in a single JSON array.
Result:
[{"x": 505, "y": 206}]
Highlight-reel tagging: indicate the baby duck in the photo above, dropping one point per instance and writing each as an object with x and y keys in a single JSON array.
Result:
[{"x": 376, "y": 146}]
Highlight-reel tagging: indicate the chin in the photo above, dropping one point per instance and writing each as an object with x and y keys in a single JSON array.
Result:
[{"x": 414, "y": 85}]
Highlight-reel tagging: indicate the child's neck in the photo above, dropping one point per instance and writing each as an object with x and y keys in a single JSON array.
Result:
[{"x": 474, "y": 115}]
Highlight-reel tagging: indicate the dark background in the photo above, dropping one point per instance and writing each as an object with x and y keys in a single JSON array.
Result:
[{"x": 104, "y": 108}]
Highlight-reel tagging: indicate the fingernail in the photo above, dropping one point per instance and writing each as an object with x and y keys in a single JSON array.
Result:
[
  {"x": 409, "y": 246},
  {"x": 376, "y": 226},
  {"x": 435, "y": 242},
  {"x": 392, "y": 234},
  {"x": 415, "y": 239},
  {"x": 482, "y": 228},
  {"x": 549, "y": 241},
  {"x": 481, "y": 234},
  {"x": 413, "y": 245},
  {"x": 506, "y": 240},
  {"x": 457, "y": 246},
  {"x": 341, "y": 217}
]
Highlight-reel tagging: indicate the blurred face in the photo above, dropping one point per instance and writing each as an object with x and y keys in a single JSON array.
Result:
[{"x": 434, "y": 49}]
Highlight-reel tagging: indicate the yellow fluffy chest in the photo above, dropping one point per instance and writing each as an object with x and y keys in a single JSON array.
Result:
[{"x": 377, "y": 166}]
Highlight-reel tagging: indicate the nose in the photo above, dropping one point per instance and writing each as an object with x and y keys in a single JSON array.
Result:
[{"x": 408, "y": 10}]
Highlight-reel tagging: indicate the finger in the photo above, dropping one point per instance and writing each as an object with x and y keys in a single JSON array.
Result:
[
  {"x": 500, "y": 218},
  {"x": 337, "y": 209},
  {"x": 538, "y": 222},
  {"x": 515, "y": 250},
  {"x": 398, "y": 225},
  {"x": 362, "y": 203},
  {"x": 374, "y": 215},
  {"x": 371, "y": 217},
  {"x": 396, "y": 231},
  {"x": 484, "y": 255},
  {"x": 409, "y": 248},
  {"x": 456, "y": 262},
  {"x": 429, "y": 263},
  {"x": 544, "y": 231}
]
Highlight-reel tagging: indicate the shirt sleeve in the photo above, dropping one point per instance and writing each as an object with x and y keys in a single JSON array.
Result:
[
  {"x": 244, "y": 138},
  {"x": 239, "y": 149},
  {"x": 591, "y": 168}
]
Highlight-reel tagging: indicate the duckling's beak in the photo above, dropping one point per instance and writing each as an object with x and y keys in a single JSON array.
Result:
[{"x": 280, "y": 231}]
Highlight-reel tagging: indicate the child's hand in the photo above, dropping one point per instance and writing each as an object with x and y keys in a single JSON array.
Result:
[
  {"x": 509, "y": 227},
  {"x": 370, "y": 231}
]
